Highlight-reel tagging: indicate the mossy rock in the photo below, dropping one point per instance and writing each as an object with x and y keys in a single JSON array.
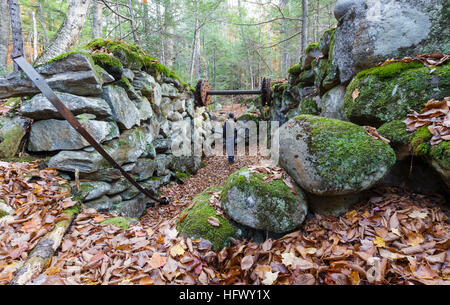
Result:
[
  {"x": 332, "y": 157},
  {"x": 311, "y": 47},
  {"x": 110, "y": 63},
  {"x": 11, "y": 133},
  {"x": 390, "y": 92},
  {"x": 438, "y": 156},
  {"x": 249, "y": 117},
  {"x": 134, "y": 58},
  {"x": 269, "y": 206},
  {"x": 308, "y": 105},
  {"x": 195, "y": 224},
  {"x": 396, "y": 132},
  {"x": 295, "y": 69},
  {"x": 320, "y": 69}
]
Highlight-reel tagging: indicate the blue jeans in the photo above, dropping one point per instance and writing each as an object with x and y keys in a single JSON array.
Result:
[{"x": 231, "y": 159}]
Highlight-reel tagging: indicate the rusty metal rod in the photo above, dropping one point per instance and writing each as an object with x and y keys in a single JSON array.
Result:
[{"x": 233, "y": 92}]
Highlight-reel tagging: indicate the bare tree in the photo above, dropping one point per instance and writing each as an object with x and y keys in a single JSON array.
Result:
[
  {"x": 69, "y": 32},
  {"x": 4, "y": 34},
  {"x": 304, "y": 40},
  {"x": 42, "y": 22},
  {"x": 247, "y": 51},
  {"x": 35, "y": 36}
]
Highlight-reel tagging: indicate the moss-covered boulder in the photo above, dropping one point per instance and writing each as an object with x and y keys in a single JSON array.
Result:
[
  {"x": 270, "y": 206},
  {"x": 194, "y": 222},
  {"x": 386, "y": 93},
  {"x": 11, "y": 133},
  {"x": 331, "y": 157},
  {"x": 438, "y": 156},
  {"x": 396, "y": 132}
]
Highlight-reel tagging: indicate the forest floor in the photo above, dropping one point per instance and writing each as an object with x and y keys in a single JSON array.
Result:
[{"x": 391, "y": 237}]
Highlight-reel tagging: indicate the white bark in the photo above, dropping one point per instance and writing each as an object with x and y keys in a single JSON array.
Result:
[
  {"x": 97, "y": 19},
  {"x": 69, "y": 32},
  {"x": 5, "y": 31},
  {"x": 35, "y": 36}
]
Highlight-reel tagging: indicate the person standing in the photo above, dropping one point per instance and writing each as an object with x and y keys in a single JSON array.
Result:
[{"x": 229, "y": 133}]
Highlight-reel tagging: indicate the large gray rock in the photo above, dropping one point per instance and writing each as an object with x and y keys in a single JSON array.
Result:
[
  {"x": 127, "y": 148},
  {"x": 40, "y": 108},
  {"x": 11, "y": 133},
  {"x": 124, "y": 111},
  {"x": 169, "y": 90},
  {"x": 74, "y": 74},
  {"x": 91, "y": 190},
  {"x": 104, "y": 204},
  {"x": 145, "y": 109},
  {"x": 132, "y": 208},
  {"x": 329, "y": 157},
  {"x": 269, "y": 206},
  {"x": 51, "y": 135},
  {"x": 332, "y": 103},
  {"x": 370, "y": 32}
]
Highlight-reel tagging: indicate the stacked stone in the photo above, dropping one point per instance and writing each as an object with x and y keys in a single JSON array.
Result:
[{"x": 131, "y": 114}]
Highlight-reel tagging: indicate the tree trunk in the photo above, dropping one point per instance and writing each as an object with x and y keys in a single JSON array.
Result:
[
  {"x": 249, "y": 66},
  {"x": 97, "y": 19},
  {"x": 132, "y": 22},
  {"x": 35, "y": 36},
  {"x": 69, "y": 32},
  {"x": 317, "y": 26},
  {"x": 170, "y": 55},
  {"x": 17, "y": 34},
  {"x": 160, "y": 29},
  {"x": 304, "y": 40},
  {"x": 42, "y": 22},
  {"x": 5, "y": 30}
]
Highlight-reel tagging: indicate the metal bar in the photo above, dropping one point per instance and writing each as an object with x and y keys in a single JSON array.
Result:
[
  {"x": 37, "y": 79},
  {"x": 233, "y": 92}
]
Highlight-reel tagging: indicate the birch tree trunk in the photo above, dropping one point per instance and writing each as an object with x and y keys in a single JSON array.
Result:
[
  {"x": 5, "y": 30},
  {"x": 35, "y": 36},
  {"x": 97, "y": 19},
  {"x": 69, "y": 32}
]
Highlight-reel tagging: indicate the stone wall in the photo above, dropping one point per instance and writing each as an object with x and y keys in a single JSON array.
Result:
[{"x": 130, "y": 110}]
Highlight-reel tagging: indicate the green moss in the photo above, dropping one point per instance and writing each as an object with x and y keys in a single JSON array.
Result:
[
  {"x": 26, "y": 159},
  {"x": 314, "y": 45},
  {"x": 128, "y": 54},
  {"x": 249, "y": 117},
  {"x": 256, "y": 184},
  {"x": 396, "y": 132},
  {"x": 295, "y": 69},
  {"x": 195, "y": 224},
  {"x": 111, "y": 64},
  {"x": 70, "y": 212},
  {"x": 121, "y": 222},
  {"x": 320, "y": 69},
  {"x": 67, "y": 54},
  {"x": 344, "y": 152},
  {"x": 441, "y": 154},
  {"x": 419, "y": 141},
  {"x": 308, "y": 106},
  {"x": 3, "y": 213},
  {"x": 390, "y": 92},
  {"x": 390, "y": 70}
]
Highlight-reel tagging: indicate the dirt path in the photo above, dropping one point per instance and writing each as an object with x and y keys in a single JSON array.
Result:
[{"x": 215, "y": 172}]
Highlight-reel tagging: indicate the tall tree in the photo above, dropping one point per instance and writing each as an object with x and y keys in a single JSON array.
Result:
[
  {"x": 4, "y": 35},
  {"x": 304, "y": 40},
  {"x": 16, "y": 26},
  {"x": 69, "y": 32}
]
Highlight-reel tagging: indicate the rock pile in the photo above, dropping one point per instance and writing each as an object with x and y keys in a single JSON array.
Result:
[{"x": 129, "y": 103}]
